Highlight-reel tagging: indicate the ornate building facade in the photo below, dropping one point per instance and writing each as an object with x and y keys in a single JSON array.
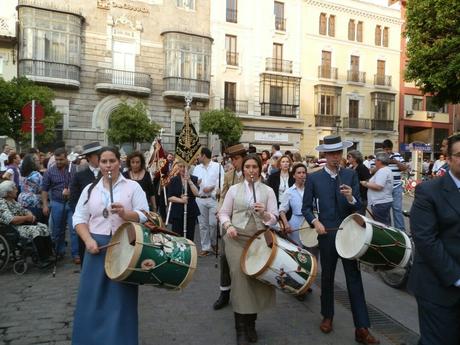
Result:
[
  {"x": 8, "y": 41},
  {"x": 108, "y": 52}
]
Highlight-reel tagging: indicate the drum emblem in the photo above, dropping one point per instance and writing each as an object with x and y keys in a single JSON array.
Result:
[
  {"x": 148, "y": 264},
  {"x": 302, "y": 258}
]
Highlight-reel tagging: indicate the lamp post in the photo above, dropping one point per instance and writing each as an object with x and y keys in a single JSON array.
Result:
[{"x": 337, "y": 124}]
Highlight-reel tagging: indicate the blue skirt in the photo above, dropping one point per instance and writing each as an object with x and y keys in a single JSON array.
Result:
[{"x": 106, "y": 311}]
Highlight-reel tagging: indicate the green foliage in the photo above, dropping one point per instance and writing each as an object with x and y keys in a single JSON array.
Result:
[
  {"x": 131, "y": 124},
  {"x": 14, "y": 95},
  {"x": 223, "y": 123},
  {"x": 433, "y": 48}
]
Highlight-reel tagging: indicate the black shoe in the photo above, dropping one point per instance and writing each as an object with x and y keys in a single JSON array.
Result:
[
  {"x": 251, "y": 327},
  {"x": 223, "y": 300}
]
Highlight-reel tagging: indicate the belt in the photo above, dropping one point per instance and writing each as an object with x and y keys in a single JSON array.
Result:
[{"x": 204, "y": 196}]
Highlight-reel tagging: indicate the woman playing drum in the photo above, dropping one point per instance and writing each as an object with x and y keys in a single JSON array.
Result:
[
  {"x": 248, "y": 207},
  {"x": 106, "y": 311}
]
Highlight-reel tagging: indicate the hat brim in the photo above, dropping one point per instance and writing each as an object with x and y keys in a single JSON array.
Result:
[
  {"x": 91, "y": 150},
  {"x": 332, "y": 148},
  {"x": 237, "y": 153}
]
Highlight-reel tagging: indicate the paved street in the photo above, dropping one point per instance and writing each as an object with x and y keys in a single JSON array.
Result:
[{"x": 37, "y": 309}]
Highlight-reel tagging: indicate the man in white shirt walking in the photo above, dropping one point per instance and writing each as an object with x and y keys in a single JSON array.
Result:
[
  {"x": 210, "y": 179},
  {"x": 4, "y": 158}
]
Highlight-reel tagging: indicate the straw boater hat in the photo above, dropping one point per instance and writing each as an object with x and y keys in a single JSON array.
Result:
[
  {"x": 235, "y": 150},
  {"x": 333, "y": 143},
  {"x": 91, "y": 148}
]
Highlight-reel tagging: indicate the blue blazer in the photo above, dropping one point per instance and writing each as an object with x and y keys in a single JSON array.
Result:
[
  {"x": 323, "y": 194},
  {"x": 435, "y": 228}
]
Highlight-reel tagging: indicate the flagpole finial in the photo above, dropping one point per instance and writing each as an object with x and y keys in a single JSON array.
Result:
[{"x": 188, "y": 100}]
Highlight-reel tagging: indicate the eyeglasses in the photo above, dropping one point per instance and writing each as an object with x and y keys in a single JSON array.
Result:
[{"x": 456, "y": 155}]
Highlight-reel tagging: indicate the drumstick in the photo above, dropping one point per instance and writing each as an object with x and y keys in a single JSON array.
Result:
[
  {"x": 109, "y": 176},
  {"x": 108, "y": 245},
  {"x": 253, "y": 188},
  {"x": 307, "y": 227}
]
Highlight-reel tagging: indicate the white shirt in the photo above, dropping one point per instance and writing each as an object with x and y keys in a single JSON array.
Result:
[
  {"x": 95, "y": 171},
  {"x": 3, "y": 159},
  {"x": 209, "y": 176},
  {"x": 384, "y": 178},
  {"x": 127, "y": 192}
]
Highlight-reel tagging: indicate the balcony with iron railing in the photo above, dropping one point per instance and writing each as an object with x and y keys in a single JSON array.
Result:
[
  {"x": 382, "y": 125},
  {"x": 327, "y": 72},
  {"x": 382, "y": 80},
  {"x": 237, "y": 106},
  {"x": 356, "y": 123},
  {"x": 355, "y": 76},
  {"x": 232, "y": 58},
  {"x": 115, "y": 81},
  {"x": 280, "y": 24},
  {"x": 278, "y": 65},
  {"x": 181, "y": 87},
  {"x": 232, "y": 15},
  {"x": 331, "y": 121},
  {"x": 281, "y": 110},
  {"x": 52, "y": 73}
]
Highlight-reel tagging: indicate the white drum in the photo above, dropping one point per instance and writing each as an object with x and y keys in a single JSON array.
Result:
[
  {"x": 308, "y": 236},
  {"x": 283, "y": 265}
]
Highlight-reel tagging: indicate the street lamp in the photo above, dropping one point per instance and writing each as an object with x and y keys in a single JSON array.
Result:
[{"x": 337, "y": 124}]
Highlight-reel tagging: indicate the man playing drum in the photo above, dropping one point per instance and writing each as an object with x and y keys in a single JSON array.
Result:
[
  {"x": 232, "y": 177},
  {"x": 334, "y": 193}
]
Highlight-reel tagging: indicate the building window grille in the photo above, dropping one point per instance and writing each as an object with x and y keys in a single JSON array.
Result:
[
  {"x": 279, "y": 95},
  {"x": 359, "y": 32},
  {"x": 378, "y": 35},
  {"x": 351, "y": 30},
  {"x": 232, "y": 11},
  {"x": 187, "y": 4}
]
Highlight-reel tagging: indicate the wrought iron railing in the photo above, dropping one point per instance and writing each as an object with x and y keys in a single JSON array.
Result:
[
  {"x": 186, "y": 85},
  {"x": 355, "y": 122},
  {"x": 280, "y": 24},
  {"x": 327, "y": 120},
  {"x": 232, "y": 15},
  {"x": 237, "y": 106},
  {"x": 356, "y": 76},
  {"x": 120, "y": 77},
  {"x": 232, "y": 58},
  {"x": 382, "y": 125},
  {"x": 40, "y": 68},
  {"x": 276, "y": 109},
  {"x": 382, "y": 80},
  {"x": 327, "y": 72},
  {"x": 278, "y": 65}
]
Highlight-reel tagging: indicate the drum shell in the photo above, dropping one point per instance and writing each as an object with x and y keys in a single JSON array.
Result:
[
  {"x": 383, "y": 247},
  {"x": 174, "y": 259},
  {"x": 298, "y": 265}
]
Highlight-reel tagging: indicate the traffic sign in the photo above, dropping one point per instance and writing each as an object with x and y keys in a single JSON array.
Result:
[
  {"x": 27, "y": 111},
  {"x": 26, "y": 127}
]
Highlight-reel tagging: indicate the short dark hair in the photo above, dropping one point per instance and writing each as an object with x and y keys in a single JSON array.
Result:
[
  {"x": 356, "y": 155},
  {"x": 252, "y": 149},
  {"x": 60, "y": 151},
  {"x": 387, "y": 144},
  {"x": 33, "y": 150},
  {"x": 207, "y": 152},
  {"x": 297, "y": 166},
  {"x": 28, "y": 165},
  {"x": 254, "y": 157},
  {"x": 134, "y": 155},
  {"x": 276, "y": 147},
  {"x": 451, "y": 141},
  {"x": 12, "y": 157}
]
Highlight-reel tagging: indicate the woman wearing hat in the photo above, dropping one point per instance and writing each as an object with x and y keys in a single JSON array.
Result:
[{"x": 334, "y": 194}]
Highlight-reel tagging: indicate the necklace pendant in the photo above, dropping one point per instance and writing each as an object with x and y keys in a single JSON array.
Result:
[{"x": 105, "y": 213}]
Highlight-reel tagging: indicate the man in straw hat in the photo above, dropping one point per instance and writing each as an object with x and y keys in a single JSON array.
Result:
[
  {"x": 232, "y": 177},
  {"x": 83, "y": 178},
  {"x": 334, "y": 192}
]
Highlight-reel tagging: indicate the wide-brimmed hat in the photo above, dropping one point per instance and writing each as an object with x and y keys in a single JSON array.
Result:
[
  {"x": 91, "y": 148},
  {"x": 235, "y": 150},
  {"x": 333, "y": 143}
]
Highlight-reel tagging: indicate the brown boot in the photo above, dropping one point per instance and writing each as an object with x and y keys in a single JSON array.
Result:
[
  {"x": 240, "y": 326},
  {"x": 251, "y": 327},
  {"x": 326, "y": 325},
  {"x": 363, "y": 336}
]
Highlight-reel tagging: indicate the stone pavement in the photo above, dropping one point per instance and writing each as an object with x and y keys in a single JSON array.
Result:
[{"x": 37, "y": 309}]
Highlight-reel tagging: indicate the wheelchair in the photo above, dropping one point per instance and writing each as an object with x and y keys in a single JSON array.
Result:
[{"x": 17, "y": 250}]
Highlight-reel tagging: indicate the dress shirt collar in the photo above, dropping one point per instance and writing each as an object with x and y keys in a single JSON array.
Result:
[
  {"x": 456, "y": 180},
  {"x": 330, "y": 172},
  {"x": 95, "y": 171}
]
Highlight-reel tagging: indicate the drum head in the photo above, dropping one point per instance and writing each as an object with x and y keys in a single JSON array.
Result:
[
  {"x": 121, "y": 256},
  {"x": 354, "y": 239},
  {"x": 308, "y": 236},
  {"x": 256, "y": 255}
]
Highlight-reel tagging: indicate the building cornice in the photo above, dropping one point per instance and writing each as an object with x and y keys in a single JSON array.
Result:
[{"x": 328, "y": 6}]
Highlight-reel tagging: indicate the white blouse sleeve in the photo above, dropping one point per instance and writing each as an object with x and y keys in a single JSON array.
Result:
[
  {"x": 272, "y": 207},
  {"x": 139, "y": 202},
  {"x": 82, "y": 214},
  {"x": 226, "y": 210}
]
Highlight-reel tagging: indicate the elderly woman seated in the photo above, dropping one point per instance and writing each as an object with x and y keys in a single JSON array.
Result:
[{"x": 21, "y": 219}]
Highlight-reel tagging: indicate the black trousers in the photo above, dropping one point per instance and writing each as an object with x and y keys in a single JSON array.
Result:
[
  {"x": 328, "y": 258},
  {"x": 225, "y": 280},
  {"x": 439, "y": 325},
  {"x": 178, "y": 226}
]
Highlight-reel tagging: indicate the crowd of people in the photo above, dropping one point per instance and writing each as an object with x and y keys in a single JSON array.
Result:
[{"x": 93, "y": 193}]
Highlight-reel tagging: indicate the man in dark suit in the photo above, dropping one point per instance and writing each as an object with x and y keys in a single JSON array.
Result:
[
  {"x": 83, "y": 178},
  {"x": 435, "y": 275},
  {"x": 334, "y": 193}
]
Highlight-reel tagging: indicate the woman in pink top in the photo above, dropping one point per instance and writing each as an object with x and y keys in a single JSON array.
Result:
[{"x": 106, "y": 311}]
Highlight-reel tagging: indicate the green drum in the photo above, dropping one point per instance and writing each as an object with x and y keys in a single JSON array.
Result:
[
  {"x": 373, "y": 243},
  {"x": 139, "y": 256}
]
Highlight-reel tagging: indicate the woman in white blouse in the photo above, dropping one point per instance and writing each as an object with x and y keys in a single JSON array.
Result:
[
  {"x": 248, "y": 207},
  {"x": 106, "y": 310}
]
